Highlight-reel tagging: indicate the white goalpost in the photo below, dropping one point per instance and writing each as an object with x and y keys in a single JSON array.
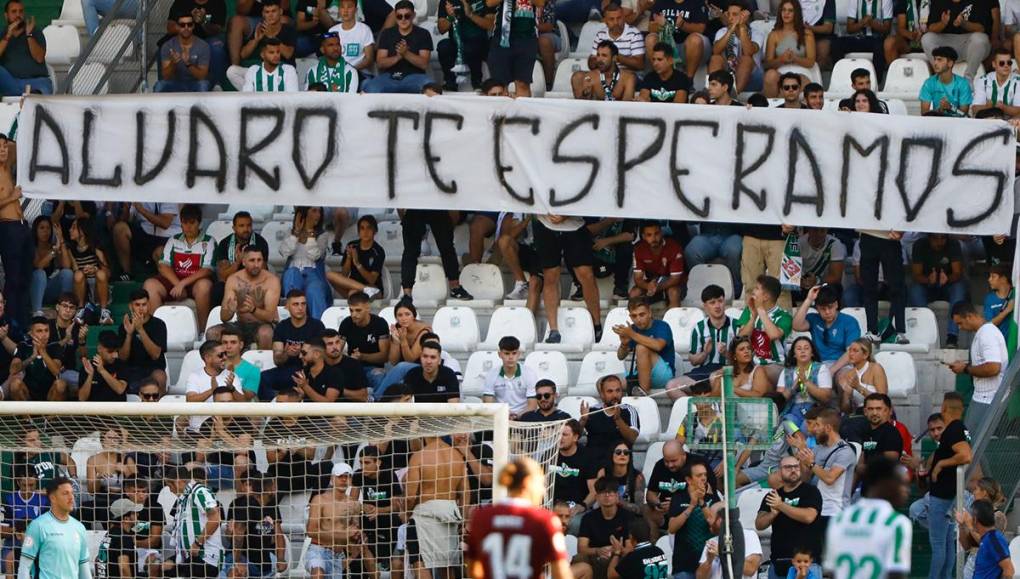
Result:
[{"x": 262, "y": 490}]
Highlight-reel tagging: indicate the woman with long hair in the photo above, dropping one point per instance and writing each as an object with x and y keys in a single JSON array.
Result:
[
  {"x": 865, "y": 101},
  {"x": 805, "y": 380},
  {"x": 748, "y": 382},
  {"x": 88, "y": 263},
  {"x": 305, "y": 252},
  {"x": 789, "y": 43},
  {"x": 985, "y": 489},
  {"x": 619, "y": 467},
  {"x": 865, "y": 376},
  {"x": 405, "y": 343},
  {"x": 51, "y": 275}
]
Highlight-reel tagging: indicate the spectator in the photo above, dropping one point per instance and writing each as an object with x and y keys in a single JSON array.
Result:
[
  {"x": 105, "y": 471},
  {"x": 814, "y": 96},
  {"x": 636, "y": 556},
  {"x": 312, "y": 20},
  {"x": 251, "y": 294},
  {"x": 659, "y": 272},
  {"x": 907, "y": 30},
  {"x": 937, "y": 269},
  {"x": 820, "y": 18},
  {"x": 367, "y": 337},
  {"x": 737, "y": 49},
  {"x": 143, "y": 343},
  {"x": 36, "y": 367},
  {"x": 511, "y": 383},
  {"x": 116, "y": 553},
  {"x": 403, "y": 55},
  {"x": 883, "y": 249},
  {"x": 747, "y": 381},
  {"x": 559, "y": 238},
  {"x": 432, "y": 381},
  {"x": 248, "y": 33},
  {"x": 232, "y": 339},
  {"x": 791, "y": 42},
  {"x": 630, "y": 45},
  {"x": 789, "y": 84},
  {"x": 547, "y": 411},
  {"x": 649, "y": 344},
  {"x": 954, "y": 450},
  {"x": 406, "y": 336},
  {"x": 720, "y": 85},
  {"x": 919, "y": 509},
  {"x": 951, "y": 24},
  {"x": 210, "y": 17},
  {"x": 482, "y": 226},
  {"x": 88, "y": 264},
  {"x": 148, "y": 537},
  {"x": 1000, "y": 302},
  {"x": 469, "y": 39},
  {"x": 944, "y": 91},
  {"x": 601, "y": 525},
  {"x": 379, "y": 492},
  {"x": 331, "y": 69},
  {"x": 318, "y": 381},
  {"x": 185, "y": 60},
  {"x": 688, "y": 21},
  {"x": 611, "y": 422},
  {"x": 255, "y": 533},
  {"x": 614, "y": 253},
  {"x": 516, "y": 245},
  {"x": 71, "y": 334},
  {"x": 363, "y": 263},
  {"x": 667, "y": 84},
  {"x": 269, "y": 75},
  {"x": 832, "y": 331},
  {"x": 987, "y": 365},
  {"x": 711, "y": 337},
  {"x": 606, "y": 81},
  {"x": 229, "y": 253},
  {"x": 667, "y": 479},
  {"x": 198, "y": 510},
  {"x": 860, "y": 79},
  {"x": 864, "y": 377},
  {"x": 882, "y": 437},
  {"x": 717, "y": 241},
  {"x": 574, "y": 472},
  {"x": 22, "y": 54},
  {"x": 805, "y": 382},
  {"x": 93, "y": 9},
  {"x": 203, "y": 383},
  {"x": 692, "y": 512},
  {"x": 823, "y": 258},
  {"x": 513, "y": 46},
  {"x": 52, "y": 274},
  {"x": 186, "y": 268},
  {"x": 143, "y": 238},
  {"x": 413, "y": 224},
  {"x": 549, "y": 41},
  {"x": 289, "y": 337},
  {"x": 993, "y": 557},
  {"x": 20, "y": 507},
  {"x": 354, "y": 387},
  {"x": 792, "y": 512},
  {"x": 305, "y": 251},
  {"x": 766, "y": 324},
  {"x": 867, "y": 27},
  {"x": 100, "y": 378},
  {"x": 830, "y": 464},
  {"x": 357, "y": 37},
  {"x": 988, "y": 490},
  {"x": 618, "y": 467},
  {"x": 710, "y": 564},
  {"x": 762, "y": 253}
]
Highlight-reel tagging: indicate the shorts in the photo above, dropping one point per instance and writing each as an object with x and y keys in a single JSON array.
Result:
[
  {"x": 142, "y": 558},
  {"x": 515, "y": 63},
  {"x": 528, "y": 258},
  {"x": 331, "y": 562},
  {"x": 661, "y": 373},
  {"x": 70, "y": 377},
  {"x": 705, "y": 54},
  {"x": 554, "y": 38},
  {"x": 168, "y": 285},
  {"x": 145, "y": 241},
  {"x": 554, "y": 247},
  {"x": 253, "y": 571},
  {"x": 757, "y": 473}
]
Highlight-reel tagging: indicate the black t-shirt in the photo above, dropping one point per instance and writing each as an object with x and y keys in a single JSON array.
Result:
[
  {"x": 668, "y": 483},
  {"x": 481, "y": 494},
  {"x": 646, "y": 560},
  {"x": 944, "y": 487},
  {"x": 228, "y": 248},
  {"x": 260, "y": 527},
  {"x": 287, "y": 36},
  {"x": 689, "y": 541},
  {"x": 603, "y": 435},
  {"x": 7, "y": 357},
  {"x": 215, "y": 13},
  {"x": 115, "y": 543},
  {"x": 980, "y": 12},
  {"x": 693, "y": 11},
  {"x": 537, "y": 416},
  {"x": 939, "y": 261},
  {"x": 331, "y": 377},
  {"x": 352, "y": 377},
  {"x": 885, "y": 438},
  {"x": 101, "y": 391},
  {"x": 664, "y": 91},
  {"x": 788, "y": 534},
  {"x": 38, "y": 377},
  {"x": 139, "y": 358},
  {"x": 376, "y": 12},
  {"x": 70, "y": 356},
  {"x": 597, "y": 529},
  {"x": 572, "y": 475},
  {"x": 377, "y": 491},
  {"x": 288, "y": 334},
  {"x": 308, "y": 7},
  {"x": 442, "y": 389},
  {"x": 417, "y": 40},
  {"x": 364, "y": 339},
  {"x": 371, "y": 259}
]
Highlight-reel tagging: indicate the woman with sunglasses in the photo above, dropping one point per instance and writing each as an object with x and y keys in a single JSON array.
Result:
[
  {"x": 805, "y": 381},
  {"x": 866, "y": 376},
  {"x": 629, "y": 480},
  {"x": 748, "y": 382}
]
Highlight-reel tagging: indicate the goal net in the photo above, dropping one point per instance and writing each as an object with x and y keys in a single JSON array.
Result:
[{"x": 262, "y": 490}]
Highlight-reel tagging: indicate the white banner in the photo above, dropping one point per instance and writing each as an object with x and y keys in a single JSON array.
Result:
[{"x": 637, "y": 160}]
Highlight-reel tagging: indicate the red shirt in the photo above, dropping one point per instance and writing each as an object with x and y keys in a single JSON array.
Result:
[
  {"x": 669, "y": 261},
  {"x": 515, "y": 537}
]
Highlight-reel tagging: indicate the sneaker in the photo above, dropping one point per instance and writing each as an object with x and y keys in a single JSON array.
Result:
[
  {"x": 620, "y": 294},
  {"x": 594, "y": 15},
  {"x": 459, "y": 293},
  {"x": 901, "y": 339},
  {"x": 80, "y": 316},
  {"x": 951, "y": 341},
  {"x": 105, "y": 319},
  {"x": 576, "y": 293},
  {"x": 554, "y": 337},
  {"x": 873, "y": 337},
  {"x": 38, "y": 314},
  {"x": 337, "y": 247},
  {"x": 520, "y": 291},
  {"x": 371, "y": 292}
]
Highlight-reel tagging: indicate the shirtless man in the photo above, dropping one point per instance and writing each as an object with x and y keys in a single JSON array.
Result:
[
  {"x": 437, "y": 493},
  {"x": 251, "y": 294},
  {"x": 607, "y": 81},
  {"x": 333, "y": 526},
  {"x": 17, "y": 249}
]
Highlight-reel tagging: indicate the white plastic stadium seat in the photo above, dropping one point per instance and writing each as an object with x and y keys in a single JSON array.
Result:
[
  {"x": 551, "y": 365},
  {"x": 571, "y": 542},
  {"x": 83, "y": 449},
  {"x": 1014, "y": 553},
  {"x": 173, "y": 399},
  {"x": 511, "y": 321},
  {"x": 297, "y": 569},
  {"x": 922, "y": 331},
  {"x": 192, "y": 363},
  {"x": 665, "y": 543},
  {"x": 814, "y": 73},
  {"x": 859, "y": 315},
  {"x": 748, "y": 503},
  {"x": 70, "y": 15},
  {"x": 734, "y": 313},
  {"x": 576, "y": 329},
  {"x": 261, "y": 359},
  {"x": 430, "y": 287},
  {"x": 219, "y": 229},
  {"x": 333, "y": 315},
  {"x": 565, "y": 45},
  {"x": 457, "y": 327},
  {"x": 275, "y": 232},
  {"x": 652, "y": 456},
  {"x": 391, "y": 237},
  {"x": 904, "y": 77},
  {"x": 564, "y": 70},
  {"x": 840, "y": 82},
  {"x": 610, "y": 342},
  {"x": 960, "y": 68},
  {"x": 181, "y": 326},
  {"x": 706, "y": 274},
  {"x": 389, "y": 314},
  {"x": 8, "y": 111},
  {"x": 900, "y": 372},
  {"x": 594, "y": 366},
  {"x": 677, "y": 416},
  {"x": 682, "y": 322},
  {"x": 896, "y": 107},
  {"x": 484, "y": 281},
  {"x": 94, "y": 539},
  {"x": 649, "y": 424},
  {"x": 478, "y": 366},
  {"x": 214, "y": 318},
  {"x": 586, "y": 38},
  {"x": 572, "y": 404},
  {"x": 294, "y": 512},
  {"x": 62, "y": 44}
]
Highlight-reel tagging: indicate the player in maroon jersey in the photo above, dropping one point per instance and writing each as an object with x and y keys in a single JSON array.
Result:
[{"x": 514, "y": 538}]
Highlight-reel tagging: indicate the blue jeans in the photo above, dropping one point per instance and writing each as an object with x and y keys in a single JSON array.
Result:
[
  {"x": 92, "y": 9},
  {"x": 48, "y": 288},
  {"x": 13, "y": 86},
  {"x": 220, "y": 476},
  {"x": 313, "y": 282},
  {"x": 795, "y": 412},
  {"x": 919, "y": 511},
  {"x": 218, "y": 60},
  {"x": 705, "y": 248},
  {"x": 374, "y": 376},
  {"x": 409, "y": 84},
  {"x": 182, "y": 86},
  {"x": 942, "y": 536},
  {"x": 394, "y": 375},
  {"x": 919, "y": 296},
  {"x": 853, "y": 296},
  {"x": 306, "y": 44}
]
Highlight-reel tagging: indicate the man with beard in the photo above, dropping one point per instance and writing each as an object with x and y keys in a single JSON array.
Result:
[
  {"x": 355, "y": 389},
  {"x": 228, "y": 256},
  {"x": 379, "y": 493},
  {"x": 607, "y": 82},
  {"x": 251, "y": 294},
  {"x": 331, "y": 70}
]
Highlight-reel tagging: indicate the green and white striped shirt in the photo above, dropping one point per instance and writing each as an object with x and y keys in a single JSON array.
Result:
[
  {"x": 868, "y": 540},
  {"x": 282, "y": 79},
  {"x": 704, "y": 330},
  {"x": 341, "y": 77},
  {"x": 192, "y": 513}
]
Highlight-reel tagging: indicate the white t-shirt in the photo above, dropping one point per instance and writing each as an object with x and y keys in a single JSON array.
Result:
[
  {"x": 354, "y": 41},
  {"x": 514, "y": 390},
  {"x": 868, "y": 539},
  {"x": 199, "y": 382},
  {"x": 568, "y": 223},
  {"x": 757, "y": 36},
  {"x": 988, "y": 346},
  {"x": 160, "y": 209},
  {"x": 752, "y": 546}
]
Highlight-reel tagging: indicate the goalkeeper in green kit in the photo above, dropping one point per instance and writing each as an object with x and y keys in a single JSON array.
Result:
[{"x": 55, "y": 545}]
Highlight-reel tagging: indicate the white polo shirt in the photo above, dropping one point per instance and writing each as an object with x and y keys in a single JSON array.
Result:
[{"x": 514, "y": 390}]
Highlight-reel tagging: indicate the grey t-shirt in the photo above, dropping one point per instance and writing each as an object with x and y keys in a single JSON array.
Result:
[
  {"x": 835, "y": 497},
  {"x": 199, "y": 55}
]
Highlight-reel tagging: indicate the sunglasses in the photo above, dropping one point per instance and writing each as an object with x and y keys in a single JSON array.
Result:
[
  {"x": 305, "y": 352},
  {"x": 221, "y": 355},
  {"x": 149, "y": 396},
  {"x": 1003, "y": 63},
  {"x": 186, "y": 24},
  {"x": 405, "y": 15},
  {"x": 621, "y": 452},
  {"x": 791, "y": 86},
  {"x": 545, "y": 396}
]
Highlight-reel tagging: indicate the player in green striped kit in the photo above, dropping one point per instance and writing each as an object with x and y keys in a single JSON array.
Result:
[
  {"x": 870, "y": 539},
  {"x": 332, "y": 70},
  {"x": 196, "y": 528},
  {"x": 55, "y": 545}
]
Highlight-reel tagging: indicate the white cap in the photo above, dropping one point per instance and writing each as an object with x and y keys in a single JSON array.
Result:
[
  {"x": 121, "y": 507},
  {"x": 342, "y": 468}
]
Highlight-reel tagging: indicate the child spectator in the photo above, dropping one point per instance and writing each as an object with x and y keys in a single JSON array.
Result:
[
  {"x": 999, "y": 302},
  {"x": 363, "y": 262},
  {"x": 513, "y": 382},
  {"x": 803, "y": 566},
  {"x": 766, "y": 324},
  {"x": 186, "y": 268},
  {"x": 89, "y": 263}
]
